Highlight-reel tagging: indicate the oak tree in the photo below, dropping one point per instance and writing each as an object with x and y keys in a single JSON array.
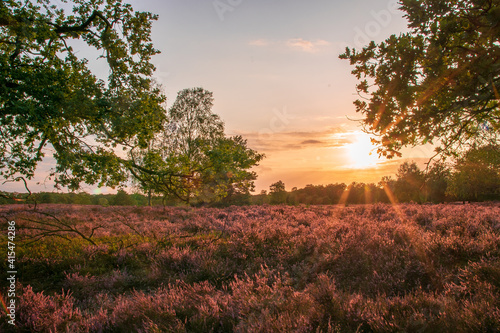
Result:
[
  {"x": 438, "y": 83},
  {"x": 52, "y": 100}
]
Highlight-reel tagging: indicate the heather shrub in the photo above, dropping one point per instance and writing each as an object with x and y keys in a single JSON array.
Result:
[
  {"x": 370, "y": 268},
  {"x": 267, "y": 303},
  {"x": 40, "y": 313},
  {"x": 175, "y": 308}
]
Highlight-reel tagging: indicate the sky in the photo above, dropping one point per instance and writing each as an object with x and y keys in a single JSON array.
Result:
[{"x": 274, "y": 71}]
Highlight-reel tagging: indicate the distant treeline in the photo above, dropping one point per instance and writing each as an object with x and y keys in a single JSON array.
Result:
[
  {"x": 470, "y": 181},
  {"x": 121, "y": 198},
  {"x": 436, "y": 185},
  {"x": 475, "y": 176}
]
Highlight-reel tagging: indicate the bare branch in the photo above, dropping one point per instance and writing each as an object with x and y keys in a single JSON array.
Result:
[{"x": 57, "y": 228}]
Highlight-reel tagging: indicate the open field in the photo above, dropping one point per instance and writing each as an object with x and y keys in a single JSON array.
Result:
[{"x": 368, "y": 268}]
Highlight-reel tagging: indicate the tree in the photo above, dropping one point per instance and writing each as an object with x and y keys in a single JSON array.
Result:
[
  {"x": 50, "y": 98},
  {"x": 103, "y": 202},
  {"x": 82, "y": 198},
  {"x": 388, "y": 185},
  {"x": 357, "y": 193},
  {"x": 409, "y": 183},
  {"x": 227, "y": 179},
  {"x": 177, "y": 153},
  {"x": 439, "y": 82},
  {"x": 123, "y": 199},
  {"x": 260, "y": 199},
  {"x": 476, "y": 175},
  {"x": 436, "y": 182},
  {"x": 192, "y": 158},
  {"x": 277, "y": 192},
  {"x": 335, "y": 191},
  {"x": 46, "y": 197}
]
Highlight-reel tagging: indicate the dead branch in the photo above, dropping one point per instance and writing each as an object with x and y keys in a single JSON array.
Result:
[{"x": 57, "y": 228}]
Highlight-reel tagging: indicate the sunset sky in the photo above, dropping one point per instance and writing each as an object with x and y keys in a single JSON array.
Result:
[
  {"x": 274, "y": 71},
  {"x": 273, "y": 68}
]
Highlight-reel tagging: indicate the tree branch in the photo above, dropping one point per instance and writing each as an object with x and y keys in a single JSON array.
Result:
[{"x": 82, "y": 27}]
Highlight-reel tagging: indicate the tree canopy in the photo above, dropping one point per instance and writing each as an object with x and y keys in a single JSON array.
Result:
[
  {"x": 51, "y": 99},
  {"x": 438, "y": 83},
  {"x": 277, "y": 192},
  {"x": 409, "y": 183}
]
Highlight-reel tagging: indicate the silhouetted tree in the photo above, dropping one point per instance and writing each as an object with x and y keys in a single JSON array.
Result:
[
  {"x": 476, "y": 175},
  {"x": 440, "y": 81},
  {"x": 356, "y": 193},
  {"x": 123, "y": 199},
  {"x": 436, "y": 182},
  {"x": 278, "y": 192},
  {"x": 388, "y": 185},
  {"x": 409, "y": 183}
]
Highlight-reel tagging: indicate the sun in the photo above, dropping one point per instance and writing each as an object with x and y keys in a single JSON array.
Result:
[{"x": 361, "y": 153}]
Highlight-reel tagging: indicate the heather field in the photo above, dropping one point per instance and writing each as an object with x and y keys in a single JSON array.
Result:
[{"x": 366, "y": 268}]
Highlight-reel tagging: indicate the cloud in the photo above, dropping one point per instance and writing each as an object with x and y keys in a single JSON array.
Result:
[
  {"x": 288, "y": 141},
  {"x": 262, "y": 169},
  {"x": 299, "y": 44},
  {"x": 259, "y": 42},
  {"x": 312, "y": 142},
  {"x": 306, "y": 45}
]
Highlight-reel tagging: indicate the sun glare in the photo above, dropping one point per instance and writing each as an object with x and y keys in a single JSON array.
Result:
[{"x": 362, "y": 154}]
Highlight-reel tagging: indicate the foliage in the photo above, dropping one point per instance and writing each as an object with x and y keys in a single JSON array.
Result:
[
  {"x": 477, "y": 175},
  {"x": 81, "y": 198},
  {"x": 409, "y": 184},
  {"x": 122, "y": 198},
  {"x": 277, "y": 192},
  {"x": 228, "y": 179},
  {"x": 192, "y": 158},
  {"x": 369, "y": 268},
  {"x": 50, "y": 100},
  {"x": 365, "y": 193},
  {"x": 437, "y": 179},
  {"x": 474, "y": 177},
  {"x": 439, "y": 82},
  {"x": 103, "y": 202}
]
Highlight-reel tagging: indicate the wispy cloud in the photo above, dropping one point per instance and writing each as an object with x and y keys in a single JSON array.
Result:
[
  {"x": 287, "y": 141},
  {"x": 298, "y": 44},
  {"x": 313, "y": 142},
  {"x": 306, "y": 45},
  {"x": 260, "y": 42}
]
